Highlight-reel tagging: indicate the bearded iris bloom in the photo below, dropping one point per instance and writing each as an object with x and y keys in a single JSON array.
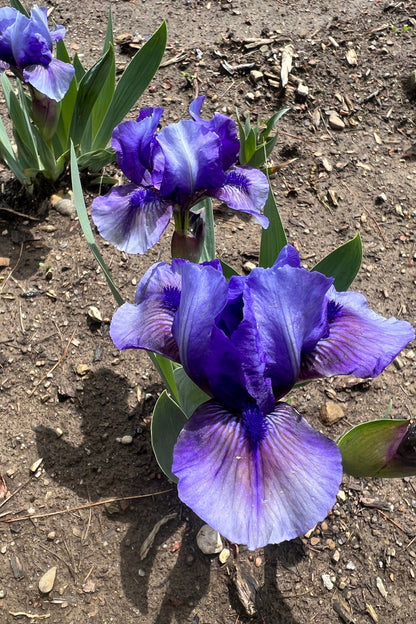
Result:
[
  {"x": 26, "y": 49},
  {"x": 171, "y": 171},
  {"x": 247, "y": 463}
]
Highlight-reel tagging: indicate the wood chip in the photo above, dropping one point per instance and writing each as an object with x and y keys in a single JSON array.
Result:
[
  {"x": 351, "y": 57},
  {"x": 4, "y": 262},
  {"x": 287, "y": 56},
  {"x": 247, "y": 588},
  {"x": 17, "y": 568}
]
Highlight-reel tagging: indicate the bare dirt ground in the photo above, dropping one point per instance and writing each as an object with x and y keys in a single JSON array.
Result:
[{"x": 68, "y": 396}]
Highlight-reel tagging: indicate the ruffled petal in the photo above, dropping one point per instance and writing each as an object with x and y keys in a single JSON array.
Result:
[
  {"x": 360, "y": 341},
  {"x": 189, "y": 157},
  {"x": 256, "y": 492},
  {"x": 289, "y": 305},
  {"x": 130, "y": 217},
  {"x": 53, "y": 80},
  {"x": 132, "y": 141},
  {"x": 245, "y": 189}
]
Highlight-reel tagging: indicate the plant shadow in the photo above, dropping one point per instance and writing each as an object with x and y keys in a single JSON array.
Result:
[{"x": 101, "y": 468}]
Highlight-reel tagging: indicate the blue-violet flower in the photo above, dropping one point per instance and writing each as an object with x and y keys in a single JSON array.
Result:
[
  {"x": 170, "y": 172},
  {"x": 26, "y": 49},
  {"x": 248, "y": 464}
]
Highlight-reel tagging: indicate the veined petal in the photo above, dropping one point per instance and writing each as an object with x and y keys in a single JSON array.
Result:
[
  {"x": 189, "y": 157},
  {"x": 360, "y": 341},
  {"x": 224, "y": 127},
  {"x": 160, "y": 277},
  {"x": 131, "y": 217},
  {"x": 53, "y": 80},
  {"x": 245, "y": 189},
  {"x": 132, "y": 141},
  {"x": 147, "y": 325},
  {"x": 268, "y": 490},
  {"x": 289, "y": 305}
]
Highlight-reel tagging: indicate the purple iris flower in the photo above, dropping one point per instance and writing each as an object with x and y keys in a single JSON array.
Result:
[
  {"x": 26, "y": 48},
  {"x": 247, "y": 463},
  {"x": 171, "y": 171}
]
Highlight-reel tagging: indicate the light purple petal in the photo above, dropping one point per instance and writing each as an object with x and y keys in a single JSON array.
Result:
[
  {"x": 147, "y": 325},
  {"x": 360, "y": 341},
  {"x": 132, "y": 141},
  {"x": 53, "y": 80},
  {"x": 289, "y": 305},
  {"x": 256, "y": 493},
  {"x": 245, "y": 189},
  {"x": 130, "y": 217},
  {"x": 190, "y": 160}
]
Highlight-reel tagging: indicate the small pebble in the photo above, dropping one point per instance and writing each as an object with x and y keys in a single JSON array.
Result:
[
  {"x": 126, "y": 439},
  {"x": 224, "y": 555},
  {"x": 341, "y": 496},
  {"x": 47, "y": 581},
  {"x": 328, "y": 584},
  {"x": 336, "y": 122},
  {"x": 209, "y": 541},
  {"x": 350, "y": 565}
]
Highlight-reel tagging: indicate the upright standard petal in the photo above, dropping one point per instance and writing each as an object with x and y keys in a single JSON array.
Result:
[
  {"x": 224, "y": 127},
  {"x": 189, "y": 157},
  {"x": 289, "y": 305},
  {"x": 360, "y": 342},
  {"x": 31, "y": 42},
  {"x": 131, "y": 217},
  {"x": 245, "y": 189},
  {"x": 204, "y": 294},
  {"x": 132, "y": 141},
  {"x": 256, "y": 484}
]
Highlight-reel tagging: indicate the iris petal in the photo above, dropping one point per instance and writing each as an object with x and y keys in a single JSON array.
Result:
[
  {"x": 53, "y": 80},
  {"x": 255, "y": 494},
  {"x": 190, "y": 162},
  {"x": 360, "y": 341},
  {"x": 130, "y": 217},
  {"x": 145, "y": 326},
  {"x": 245, "y": 189},
  {"x": 204, "y": 293},
  {"x": 294, "y": 318},
  {"x": 224, "y": 127},
  {"x": 132, "y": 141}
]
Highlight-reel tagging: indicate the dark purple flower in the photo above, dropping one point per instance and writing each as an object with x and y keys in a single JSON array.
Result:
[
  {"x": 170, "y": 172},
  {"x": 250, "y": 467},
  {"x": 26, "y": 47}
]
